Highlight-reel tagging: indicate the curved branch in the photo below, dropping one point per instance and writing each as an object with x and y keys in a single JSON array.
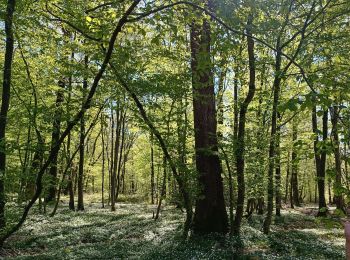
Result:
[
  {"x": 57, "y": 18},
  {"x": 181, "y": 183},
  {"x": 232, "y": 30},
  {"x": 71, "y": 124}
]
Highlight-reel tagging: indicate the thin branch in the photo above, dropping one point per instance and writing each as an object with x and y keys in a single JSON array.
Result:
[
  {"x": 100, "y": 6},
  {"x": 230, "y": 29},
  {"x": 288, "y": 120},
  {"x": 60, "y": 19},
  {"x": 87, "y": 104}
]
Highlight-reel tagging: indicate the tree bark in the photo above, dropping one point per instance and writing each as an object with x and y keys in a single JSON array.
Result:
[
  {"x": 230, "y": 185},
  {"x": 210, "y": 214},
  {"x": 294, "y": 178},
  {"x": 51, "y": 192},
  {"x": 338, "y": 197},
  {"x": 240, "y": 145},
  {"x": 121, "y": 153},
  {"x": 5, "y": 102},
  {"x": 103, "y": 163},
  {"x": 152, "y": 170},
  {"x": 80, "y": 205},
  {"x": 70, "y": 171},
  {"x": 272, "y": 148},
  {"x": 287, "y": 178},
  {"x": 278, "y": 186},
  {"x": 278, "y": 172},
  {"x": 116, "y": 156},
  {"x": 162, "y": 192},
  {"x": 320, "y": 160}
]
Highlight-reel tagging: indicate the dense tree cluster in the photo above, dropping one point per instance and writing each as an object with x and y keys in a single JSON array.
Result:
[{"x": 222, "y": 108}]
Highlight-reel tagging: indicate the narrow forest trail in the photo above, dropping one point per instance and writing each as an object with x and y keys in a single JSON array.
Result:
[{"x": 131, "y": 233}]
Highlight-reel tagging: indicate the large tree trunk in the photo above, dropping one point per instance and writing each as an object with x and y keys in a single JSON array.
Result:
[
  {"x": 320, "y": 159},
  {"x": 210, "y": 214},
  {"x": 240, "y": 144}
]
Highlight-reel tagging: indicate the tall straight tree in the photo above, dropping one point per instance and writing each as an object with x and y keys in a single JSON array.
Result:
[
  {"x": 5, "y": 102},
  {"x": 56, "y": 129},
  {"x": 152, "y": 170},
  {"x": 240, "y": 146},
  {"x": 80, "y": 205},
  {"x": 118, "y": 122},
  {"x": 294, "y": 178},
  {"x": 338, "y": 197},
  {"x": 210, "y": 214},
  {"x": 320, "y": 159},
  {"x": 69, "y": 137}
]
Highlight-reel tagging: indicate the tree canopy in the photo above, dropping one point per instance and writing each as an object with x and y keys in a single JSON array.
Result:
[{"x": 228, "y": 110}]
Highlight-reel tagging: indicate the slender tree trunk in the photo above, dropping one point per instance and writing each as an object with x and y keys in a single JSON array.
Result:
[
  {"x": 287, "y": 178},
  {"x": 70, "y": 171},
  {"x": 338, "y": 196},
  {"x": 240, "y": 146},
  {"x": 210, "y": 214},
  {"x": 181, "y": 183},
  {"x": 291, "y": 189},
  {"x": 330, "y": 191},
  {"x": 121, "y": 152},
  {"x": 220, "y": 98},
  {"x": 152, "y": 170},
  {"x": 5, "y": 102},
  {"x": 231, "y": 196},
  {"x": 25, "y": 177},
  {"x": 111, "y": 158},
  {"x": 72, "y": 123},
  {"x": 115, "y": 158},
  {"x": 272, "y": 148},
  {"x": 278, "y": 172},
  {"x": 51, "y": 192},
  {"x": 294, "y": 180},
  {"x": 320, "y": 160},
  {"x": 162, "y": 194},
  {"x": 235, "y": 102},
  {"x": 103, "y": 164},
  {"x": 82, "y": 149}
]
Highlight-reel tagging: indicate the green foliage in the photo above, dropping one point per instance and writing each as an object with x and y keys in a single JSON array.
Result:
[{"x": 152, "y": 55}]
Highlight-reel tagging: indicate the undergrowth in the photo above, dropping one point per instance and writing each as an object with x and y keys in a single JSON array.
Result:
[{"x": 131, "y": 233}]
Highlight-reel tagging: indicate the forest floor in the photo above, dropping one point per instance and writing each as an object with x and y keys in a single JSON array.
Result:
[{"x": 131, "y": 233}]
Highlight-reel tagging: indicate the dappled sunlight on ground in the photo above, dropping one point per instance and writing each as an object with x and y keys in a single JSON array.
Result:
[{"x": 131, "y": 232}]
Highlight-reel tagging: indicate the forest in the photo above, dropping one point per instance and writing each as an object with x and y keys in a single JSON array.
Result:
[{"x": 169, "y": 129}]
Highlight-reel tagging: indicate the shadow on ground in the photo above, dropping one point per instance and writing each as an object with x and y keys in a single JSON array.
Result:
[{"x": 131, "y": 233}]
